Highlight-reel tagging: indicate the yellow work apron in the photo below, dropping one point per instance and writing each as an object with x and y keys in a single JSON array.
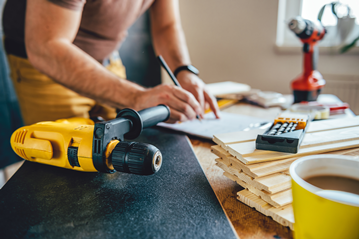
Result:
[{"x": 42, "y": 99}]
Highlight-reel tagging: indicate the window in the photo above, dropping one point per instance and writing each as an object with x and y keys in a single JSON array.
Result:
[{"x": 309, "y": 9}]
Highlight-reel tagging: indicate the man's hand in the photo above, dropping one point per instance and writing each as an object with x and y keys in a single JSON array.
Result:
[
  {"x": 196, "y": 86},
  {"x": 183, "y": 105}
]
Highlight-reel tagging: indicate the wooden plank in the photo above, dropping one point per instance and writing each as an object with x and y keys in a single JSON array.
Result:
[
  {"x": 323, "y": 125},
  {"x": 324, "y": 137},
  {"x": 350, "y": 152},
  {"x": 268, "y": 168},
  {"x": 271, "y": 184},
  {"x": 248, "y": 149},
  {"x": 272, "y": 155},
  {"x": 220, "y": 152},
  {"x": 303, "y": 152},
  {"x": 261, "y": 169},
  {"x": 227, "y": 167},
  {"x": 283, "y": 215},
  {"x": 250, "y": 170},
  {"x": 228, "y": 159},
  {"x": 253, "y": 170},
  {"x": 241, "y": 166},
  {"x": 237, "y": 137},
  {"x": 276, "y": 200},
  {"x": 316, "y": 126}
]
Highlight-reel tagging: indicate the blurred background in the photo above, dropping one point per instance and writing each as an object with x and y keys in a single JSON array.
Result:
[{"x": 249, "y": 42}]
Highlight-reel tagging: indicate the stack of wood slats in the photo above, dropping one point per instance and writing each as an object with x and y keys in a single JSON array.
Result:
[{"x": 264, "y": 175}]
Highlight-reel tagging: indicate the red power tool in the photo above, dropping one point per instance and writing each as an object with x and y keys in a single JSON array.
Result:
[{"x": 308, "y": 85}]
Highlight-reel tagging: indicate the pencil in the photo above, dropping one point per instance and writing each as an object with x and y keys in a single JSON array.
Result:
[{"x": 173, "y": 78}]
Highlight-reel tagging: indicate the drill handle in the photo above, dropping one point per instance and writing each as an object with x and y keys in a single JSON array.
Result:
[
  {"x": 311, "y": 55},
  {"x": 315, "y": 57},
  {"x": 144, "y": 118},
  {"x": 152, "y": 116}
]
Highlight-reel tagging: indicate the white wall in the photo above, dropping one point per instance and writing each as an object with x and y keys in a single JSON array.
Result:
[{"x": 235, "y": 40}]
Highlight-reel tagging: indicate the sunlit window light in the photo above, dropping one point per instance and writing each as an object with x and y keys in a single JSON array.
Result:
[{"x": 310, "y": 10}]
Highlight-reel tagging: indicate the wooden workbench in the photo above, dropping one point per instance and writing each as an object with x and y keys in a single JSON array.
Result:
[{"x": 247, "y": 222}]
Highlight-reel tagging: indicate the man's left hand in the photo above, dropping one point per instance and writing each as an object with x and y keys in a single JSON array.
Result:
[{"x": 197, "y": 87}]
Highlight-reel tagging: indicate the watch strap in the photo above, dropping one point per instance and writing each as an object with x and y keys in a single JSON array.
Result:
[{"x": 189, "y": 68}]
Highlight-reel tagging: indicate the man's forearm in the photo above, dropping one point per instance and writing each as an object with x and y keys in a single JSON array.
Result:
[
  {"x": 73, "y": 68},
  {"x": 167, "y": 34},
  {"x": 171, "y": 44}
]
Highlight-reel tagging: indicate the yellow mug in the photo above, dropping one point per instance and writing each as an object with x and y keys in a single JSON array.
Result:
[{"x": 320, "y": 213}]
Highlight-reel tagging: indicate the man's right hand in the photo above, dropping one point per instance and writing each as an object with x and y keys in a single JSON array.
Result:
[{"x": 183, "y": 104}]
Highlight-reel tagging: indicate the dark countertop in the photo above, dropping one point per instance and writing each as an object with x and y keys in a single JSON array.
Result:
[{"x": 42, "y": 201}]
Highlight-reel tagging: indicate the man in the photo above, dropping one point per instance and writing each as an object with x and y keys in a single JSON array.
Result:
[{"x": 67, "y": 41}]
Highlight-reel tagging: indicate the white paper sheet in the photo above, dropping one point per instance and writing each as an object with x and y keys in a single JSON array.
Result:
[
  {"x": 227, "y": 87},
  {"x": 210, "y": 126}
]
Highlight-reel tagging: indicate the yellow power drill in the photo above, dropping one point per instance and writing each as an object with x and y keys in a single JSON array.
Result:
[{"x": 80, "y": 144}]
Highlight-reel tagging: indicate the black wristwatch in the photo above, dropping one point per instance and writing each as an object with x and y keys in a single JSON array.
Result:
[{"x": 189, "y": 68}]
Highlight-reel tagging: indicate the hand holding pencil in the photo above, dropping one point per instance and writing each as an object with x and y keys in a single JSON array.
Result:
[{"x": 194, "y": 85}]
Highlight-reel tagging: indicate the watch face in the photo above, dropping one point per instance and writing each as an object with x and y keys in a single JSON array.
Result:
[{"x": 193, "y": 69}]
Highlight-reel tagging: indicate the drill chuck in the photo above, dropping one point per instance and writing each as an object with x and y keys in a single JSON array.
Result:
[
  {"x": 297, "y": 25},
  {"x": 310, "y": 31},
  {"x": 136, "y": 158}
]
